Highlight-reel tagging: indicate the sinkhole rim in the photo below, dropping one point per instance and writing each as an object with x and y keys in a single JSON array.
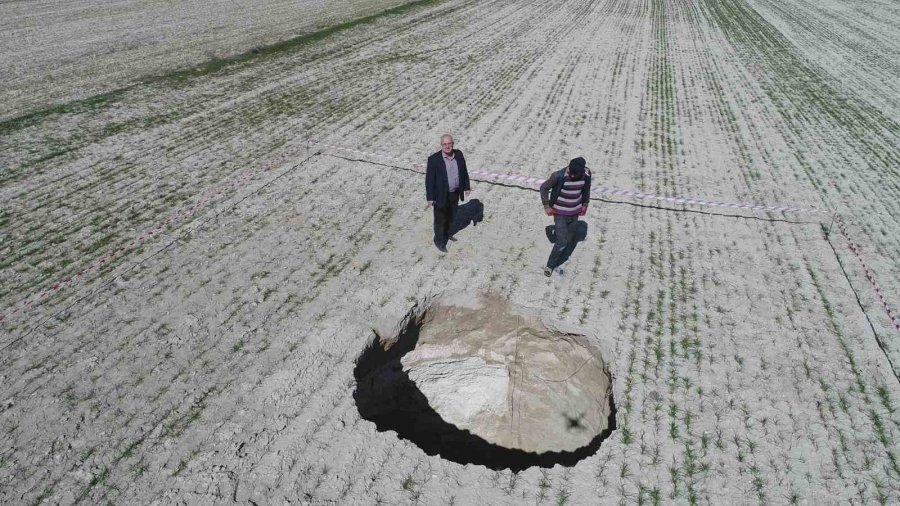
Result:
[{"x": 380, "y": 381}]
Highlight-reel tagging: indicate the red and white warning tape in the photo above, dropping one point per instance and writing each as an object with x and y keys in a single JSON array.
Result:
[
  {"x": 895, "y": 321},
  {"x": 213, "y": 194},
  {"x": 517, "y": 179},
  {"x": 36, "y": 298}
]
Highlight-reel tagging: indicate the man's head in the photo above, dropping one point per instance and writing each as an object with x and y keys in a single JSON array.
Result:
[
  {"x": 447, "y": 144},
  {"x": 575, "y": 169}
]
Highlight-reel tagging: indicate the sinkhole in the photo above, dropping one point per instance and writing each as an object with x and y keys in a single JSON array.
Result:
[{"x": 476, "y": 380}]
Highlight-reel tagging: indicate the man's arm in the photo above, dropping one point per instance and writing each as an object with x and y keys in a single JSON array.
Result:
[
  {"x": 429, "y": 181},
  {"x": 463, "y": 174},
  {"x": 586, "y": 192},
  {"x": 545, "y": 193}
]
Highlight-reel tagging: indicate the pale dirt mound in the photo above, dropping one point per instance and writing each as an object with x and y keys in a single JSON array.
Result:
[{"x": 500, "y": 373}]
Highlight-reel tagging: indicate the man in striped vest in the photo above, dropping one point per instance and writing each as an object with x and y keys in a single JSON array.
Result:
[{"x": 565, "y": 195}]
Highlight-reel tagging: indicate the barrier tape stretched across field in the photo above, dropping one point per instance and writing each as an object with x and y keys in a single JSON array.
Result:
[
  {"x": 534, "y": 181},
  {"x": 516, "y": 179},
  {"x": 36, "y": 298},
  {"x": 895, "y": 321}
]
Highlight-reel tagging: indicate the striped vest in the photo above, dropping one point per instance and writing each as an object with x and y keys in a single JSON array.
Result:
[{"x": 569, "y": 201}]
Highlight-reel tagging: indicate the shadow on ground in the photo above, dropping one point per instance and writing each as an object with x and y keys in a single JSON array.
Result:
[
  {"x": 581, "y": 231},
  {"x": 470, "y": 213}
]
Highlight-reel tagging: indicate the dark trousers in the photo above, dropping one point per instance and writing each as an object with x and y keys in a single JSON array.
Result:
[
  {"x": 565, "y": 240},
  {"x": 443, "y": 218}
]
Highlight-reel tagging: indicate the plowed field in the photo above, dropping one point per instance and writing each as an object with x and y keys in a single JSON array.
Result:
[{"x": 202, "y": 229}]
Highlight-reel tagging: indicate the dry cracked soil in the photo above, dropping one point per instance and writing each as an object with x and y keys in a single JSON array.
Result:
[{"x": 187, "y": 282}]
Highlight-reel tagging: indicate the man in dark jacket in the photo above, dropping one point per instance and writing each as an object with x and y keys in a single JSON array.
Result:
[
  {"x": 446, "y": 184},
  {"x": 565, "y": 195}
]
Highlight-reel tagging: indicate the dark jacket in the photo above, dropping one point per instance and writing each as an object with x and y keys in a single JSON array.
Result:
[
  {"x": 553, "y": 185},
  {"x": 436, "y": 186}
]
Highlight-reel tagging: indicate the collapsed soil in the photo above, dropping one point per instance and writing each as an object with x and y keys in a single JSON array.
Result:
[{"x": 508, "y": 379}]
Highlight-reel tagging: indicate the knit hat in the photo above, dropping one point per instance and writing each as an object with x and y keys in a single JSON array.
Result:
[{"x": 576, "y": 167}]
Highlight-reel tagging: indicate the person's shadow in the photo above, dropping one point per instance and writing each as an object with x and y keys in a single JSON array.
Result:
[
  {"x": 472, "y": 212},
  {"x": 581, "y": 231}
]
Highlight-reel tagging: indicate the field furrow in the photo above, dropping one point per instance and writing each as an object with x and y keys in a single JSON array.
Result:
[{"x": 200, "y": 240}]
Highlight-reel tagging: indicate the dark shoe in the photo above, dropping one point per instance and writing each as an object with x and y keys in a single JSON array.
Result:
[
  {"x": 452, "y": 238},
  {"x": 548, "y": 271},
  {"x": 441, "y": 247}
]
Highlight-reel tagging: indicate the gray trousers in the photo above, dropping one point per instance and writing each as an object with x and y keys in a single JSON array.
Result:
[{"x": 565, "y": 240}]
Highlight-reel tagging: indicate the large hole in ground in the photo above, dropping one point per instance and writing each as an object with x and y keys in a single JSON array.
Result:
[{"x": 477, "y": 380}]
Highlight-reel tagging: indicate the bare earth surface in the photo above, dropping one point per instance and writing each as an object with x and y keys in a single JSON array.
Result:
[
  {"x": 55, "y": 51},
  {"x": 185, "y": 283}
]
